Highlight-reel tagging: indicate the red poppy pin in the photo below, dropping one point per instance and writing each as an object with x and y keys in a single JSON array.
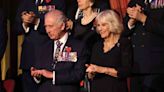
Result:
[
  {"x": 47, "y": 1},
  {"x": 68, "y": 49}
]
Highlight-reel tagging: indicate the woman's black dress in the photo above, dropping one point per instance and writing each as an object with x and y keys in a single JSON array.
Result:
[
  {"x": 119, "y": 57},
  {"x": 85, "y": 33}
]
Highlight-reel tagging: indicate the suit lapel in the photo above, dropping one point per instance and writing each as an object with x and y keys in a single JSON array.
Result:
[{"x": 68, "y": 43}]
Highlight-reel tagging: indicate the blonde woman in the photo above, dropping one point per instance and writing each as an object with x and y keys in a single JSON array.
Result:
[{"x": 111, "y": 56}]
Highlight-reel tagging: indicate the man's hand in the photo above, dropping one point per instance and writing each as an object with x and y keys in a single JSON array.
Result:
[
  {"x": 136, "y": 13},
  {"x": 131, "y": 23},
  {"x": 35, "y": 72},
  {"x": 41, "y": 72},
  {"x": 46, "y": 73}
]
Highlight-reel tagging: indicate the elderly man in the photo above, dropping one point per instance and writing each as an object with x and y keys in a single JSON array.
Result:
[
  {"x": 61, "y": 61},
  {"x": 29, "y": 22}
]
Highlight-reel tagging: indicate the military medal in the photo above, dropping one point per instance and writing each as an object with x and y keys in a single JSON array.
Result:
[
  {"x": 45, "y": 8},
  {"x": 154, "y": 4},
  {"x": 67, "y": 55}
]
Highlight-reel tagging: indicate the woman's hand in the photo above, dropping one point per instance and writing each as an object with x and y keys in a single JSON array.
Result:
[
  {"x": 91, "y": 68},
  {"x": 100, "y": 69},
  {"x": 90, "y": 71}
]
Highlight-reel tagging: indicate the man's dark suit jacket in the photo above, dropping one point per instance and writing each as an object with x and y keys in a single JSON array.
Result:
[
  {"x": 34, "y": 38},
  {"x": 148, "y": 40},
  {"x": 68, "y": 74}
]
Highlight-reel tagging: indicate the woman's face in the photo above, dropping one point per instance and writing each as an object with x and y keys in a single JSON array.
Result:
[
  {"x": 103, "y": 29},
  {"x": 84, "y": 4}
]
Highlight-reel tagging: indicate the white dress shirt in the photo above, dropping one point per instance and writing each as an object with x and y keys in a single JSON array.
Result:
[{"x": 63, "y": 40}]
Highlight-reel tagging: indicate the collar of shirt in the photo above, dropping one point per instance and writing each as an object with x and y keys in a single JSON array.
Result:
[
  {"x": 37, "y": 24},
  {"x": 36, "y": 1},
  {"x": 62, "y": 40},
  {"x": 147, "y": 1}
]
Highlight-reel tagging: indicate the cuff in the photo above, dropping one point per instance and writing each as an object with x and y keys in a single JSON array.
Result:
[
  {"x": 37, "y": 80},
  {"x": 53, "y": 77}
]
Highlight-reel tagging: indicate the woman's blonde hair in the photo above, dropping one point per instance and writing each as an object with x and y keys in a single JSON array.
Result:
[{"x": 112, "y": 19}]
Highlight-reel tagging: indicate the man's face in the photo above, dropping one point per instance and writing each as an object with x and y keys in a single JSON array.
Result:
[{"x": 53, "y": 29}]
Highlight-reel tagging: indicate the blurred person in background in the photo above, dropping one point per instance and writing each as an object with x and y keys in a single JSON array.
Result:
[
  {"x": 3, "y": 43},
  {"x": 144, "y": 24}
]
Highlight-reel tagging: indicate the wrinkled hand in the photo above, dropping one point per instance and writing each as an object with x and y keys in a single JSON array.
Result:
[
  {"x": 35, "y": 72},
  {"x": 46, "y": 73},
  {"x": 91, "y": 68},
  {"x": 41, "y": 72},
  {"x": 28, "y": 17}
]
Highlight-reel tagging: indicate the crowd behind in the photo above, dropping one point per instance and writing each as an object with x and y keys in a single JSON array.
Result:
[{"x": 88, "y": 47}]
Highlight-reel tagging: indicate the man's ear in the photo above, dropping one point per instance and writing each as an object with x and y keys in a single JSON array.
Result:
[{"x": 63, "y": 26}]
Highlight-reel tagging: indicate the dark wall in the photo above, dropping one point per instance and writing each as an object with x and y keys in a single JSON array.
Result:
[
  {"x": 12, "y": 73},
  {"x": 9, "y": 8}
]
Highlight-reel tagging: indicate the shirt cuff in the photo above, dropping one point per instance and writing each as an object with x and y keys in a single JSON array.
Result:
[
  {"x": 53, "y": 77},
  {"x": 37, "y": 80}
]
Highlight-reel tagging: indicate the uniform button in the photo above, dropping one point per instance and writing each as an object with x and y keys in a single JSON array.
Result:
[
  {"x": 133, "y": 46},
  {"x": 129, "y": 38},
  {"x": 134, "y": 33},
  {"x": 143, "y": 33},
  {"x": 142, "y": 45}
]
